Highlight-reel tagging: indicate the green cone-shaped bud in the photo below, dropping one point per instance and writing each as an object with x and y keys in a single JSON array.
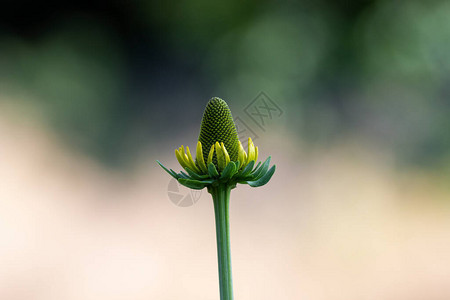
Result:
[{"x": 218, "y": 126}]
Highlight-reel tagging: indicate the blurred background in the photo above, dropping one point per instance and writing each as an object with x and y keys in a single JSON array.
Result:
[{"x": 350, "y": 98}]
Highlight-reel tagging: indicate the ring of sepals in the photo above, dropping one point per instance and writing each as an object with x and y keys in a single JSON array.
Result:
[{"x": 200, "y": 174}]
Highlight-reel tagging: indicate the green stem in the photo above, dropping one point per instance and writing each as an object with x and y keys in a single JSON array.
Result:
[{"x": 221, "y": 199}]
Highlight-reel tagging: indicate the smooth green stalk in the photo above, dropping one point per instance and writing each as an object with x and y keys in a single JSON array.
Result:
[{"x": 221, "y": 199}]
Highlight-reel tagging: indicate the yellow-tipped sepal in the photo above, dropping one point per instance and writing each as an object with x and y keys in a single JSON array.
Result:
[
  {"x": 251, "y": 151},
  {"x": 210, "y": 155},
  {"x": 186, "y": 160},
  {"x": 220, "y": 157},
  {"x": 225, "y": 153},
  {"x": 180, "y": 157},
  {"x": 199, "y": 158}
]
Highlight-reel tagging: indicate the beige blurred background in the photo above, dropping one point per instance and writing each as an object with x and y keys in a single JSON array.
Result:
[
  {"x": 92, "y": 95},
  {"x": 339, "y": 223}
]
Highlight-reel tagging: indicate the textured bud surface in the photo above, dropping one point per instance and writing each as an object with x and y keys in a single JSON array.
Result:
[{"x": 218, "y": 126}]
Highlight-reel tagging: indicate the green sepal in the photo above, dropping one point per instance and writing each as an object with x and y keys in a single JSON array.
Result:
[
  {"x": 236, "y": 169},
  {"x": 264, "y": 179},
  {"x": 194, "y": 184},
  {"x": 171, "y": 172},
  {"x": 195, "y": 175},
  {"x": 248, "y": 168},
  {"x": 237, "y": 163},
  {"x": 184, "y": 175},
  {"x": 261, "y": 171},
  {"x": 229, "y": 171},
  {"x": 256, "y": 168},
  {"x": 212, "y": 170}
]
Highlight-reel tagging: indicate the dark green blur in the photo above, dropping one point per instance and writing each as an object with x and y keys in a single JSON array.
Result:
[{"x": 112, "y": 80}]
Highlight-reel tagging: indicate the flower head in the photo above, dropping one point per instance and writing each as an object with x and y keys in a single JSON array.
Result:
[{"x": 220, "y": 157}]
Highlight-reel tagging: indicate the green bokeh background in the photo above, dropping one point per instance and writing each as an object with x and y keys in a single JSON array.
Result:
[{"x": 112, "y": 79}]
